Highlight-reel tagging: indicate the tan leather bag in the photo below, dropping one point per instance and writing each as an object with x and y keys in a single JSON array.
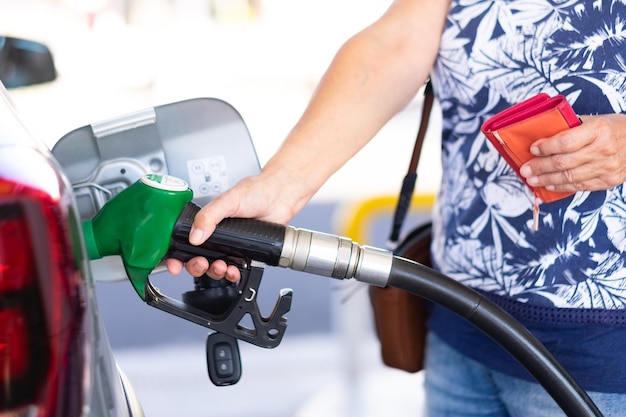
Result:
[{"x": 400, "y": 316}]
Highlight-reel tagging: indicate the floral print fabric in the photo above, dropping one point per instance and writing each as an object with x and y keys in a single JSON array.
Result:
[{"x": 495, "y": 54}]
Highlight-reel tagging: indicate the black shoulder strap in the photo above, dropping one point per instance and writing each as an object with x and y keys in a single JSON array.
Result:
[{"x": 408, "y": 184}]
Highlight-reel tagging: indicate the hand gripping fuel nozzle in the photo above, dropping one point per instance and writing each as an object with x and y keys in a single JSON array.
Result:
[{"x": 150, "y": 221}]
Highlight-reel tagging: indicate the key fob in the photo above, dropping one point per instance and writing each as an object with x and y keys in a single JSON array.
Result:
[{"x": 223, "y": 359}]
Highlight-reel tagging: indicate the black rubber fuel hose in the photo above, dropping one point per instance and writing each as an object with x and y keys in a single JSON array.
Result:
[
  {"x": 500, "y": 326},
  {"x": 329, "y": 255}
]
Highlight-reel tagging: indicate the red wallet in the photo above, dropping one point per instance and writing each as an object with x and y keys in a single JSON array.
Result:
[{"x": 513, "y": 130}]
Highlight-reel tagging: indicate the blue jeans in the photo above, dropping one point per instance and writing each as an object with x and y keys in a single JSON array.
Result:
[{"x": 457, "y": 386}]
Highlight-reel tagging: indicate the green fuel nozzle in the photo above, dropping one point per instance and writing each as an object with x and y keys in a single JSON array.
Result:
[
  {"x": 137, "y": 224},
  {"x": 151, "y": 220}
]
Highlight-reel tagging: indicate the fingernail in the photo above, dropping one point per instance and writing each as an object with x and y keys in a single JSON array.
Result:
[
  {"x": 197, "y": 269},
  {"x": 532, "y": 181},
  {"x": 525, "y": 171},
  {"x": 195, "y": 236},
  {"x": 534, "y": 150}
]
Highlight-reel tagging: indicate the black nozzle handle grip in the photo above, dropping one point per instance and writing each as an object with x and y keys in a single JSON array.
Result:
[{"x": 244, "y": 238}]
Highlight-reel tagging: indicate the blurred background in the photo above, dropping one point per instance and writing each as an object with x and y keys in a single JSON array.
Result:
[{"x": 264, "y": 57}]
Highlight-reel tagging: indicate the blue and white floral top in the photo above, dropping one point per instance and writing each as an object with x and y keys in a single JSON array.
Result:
[{"x": 567, "y": 280}]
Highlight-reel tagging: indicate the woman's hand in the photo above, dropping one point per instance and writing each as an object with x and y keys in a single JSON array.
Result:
[
  {"x": 588, "y": 157},
  {"x": 253, "y": 197}
]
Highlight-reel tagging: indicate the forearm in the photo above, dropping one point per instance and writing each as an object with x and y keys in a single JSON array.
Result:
[{"x": 373, "y": 76}]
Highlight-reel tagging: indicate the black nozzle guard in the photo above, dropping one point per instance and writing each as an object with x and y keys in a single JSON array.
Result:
[{"x": 265, "y": 332}]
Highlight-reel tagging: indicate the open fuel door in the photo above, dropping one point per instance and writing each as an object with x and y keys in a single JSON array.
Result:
[{"x": 203, "y": 141}]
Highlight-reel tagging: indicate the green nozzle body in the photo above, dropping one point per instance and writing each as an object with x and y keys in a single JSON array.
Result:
[{"x": 137, "y": 224}]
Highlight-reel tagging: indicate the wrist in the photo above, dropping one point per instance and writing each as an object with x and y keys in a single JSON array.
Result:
[{"x": 291, "y": 185}]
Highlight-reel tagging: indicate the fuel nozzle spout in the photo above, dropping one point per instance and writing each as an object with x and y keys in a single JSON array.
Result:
[{"x": 334, "y": 256}]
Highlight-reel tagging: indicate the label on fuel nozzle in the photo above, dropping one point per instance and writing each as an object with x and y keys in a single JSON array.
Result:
[{"x": 164, "y": 182}]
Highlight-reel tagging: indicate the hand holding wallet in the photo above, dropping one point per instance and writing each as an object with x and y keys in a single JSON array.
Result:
[{"x": 513, "y": 130}]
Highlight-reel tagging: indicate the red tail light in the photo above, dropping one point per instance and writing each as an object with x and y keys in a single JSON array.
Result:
[
  {"x": 41, "y": 306},
  {"x": 13, "y": 343},
  {"x": 15, "y": 249},
  {"x": 15, "y": 273}
]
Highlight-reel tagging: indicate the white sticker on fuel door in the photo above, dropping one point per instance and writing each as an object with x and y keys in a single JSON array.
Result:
[{"x": 207, "y": 176}]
